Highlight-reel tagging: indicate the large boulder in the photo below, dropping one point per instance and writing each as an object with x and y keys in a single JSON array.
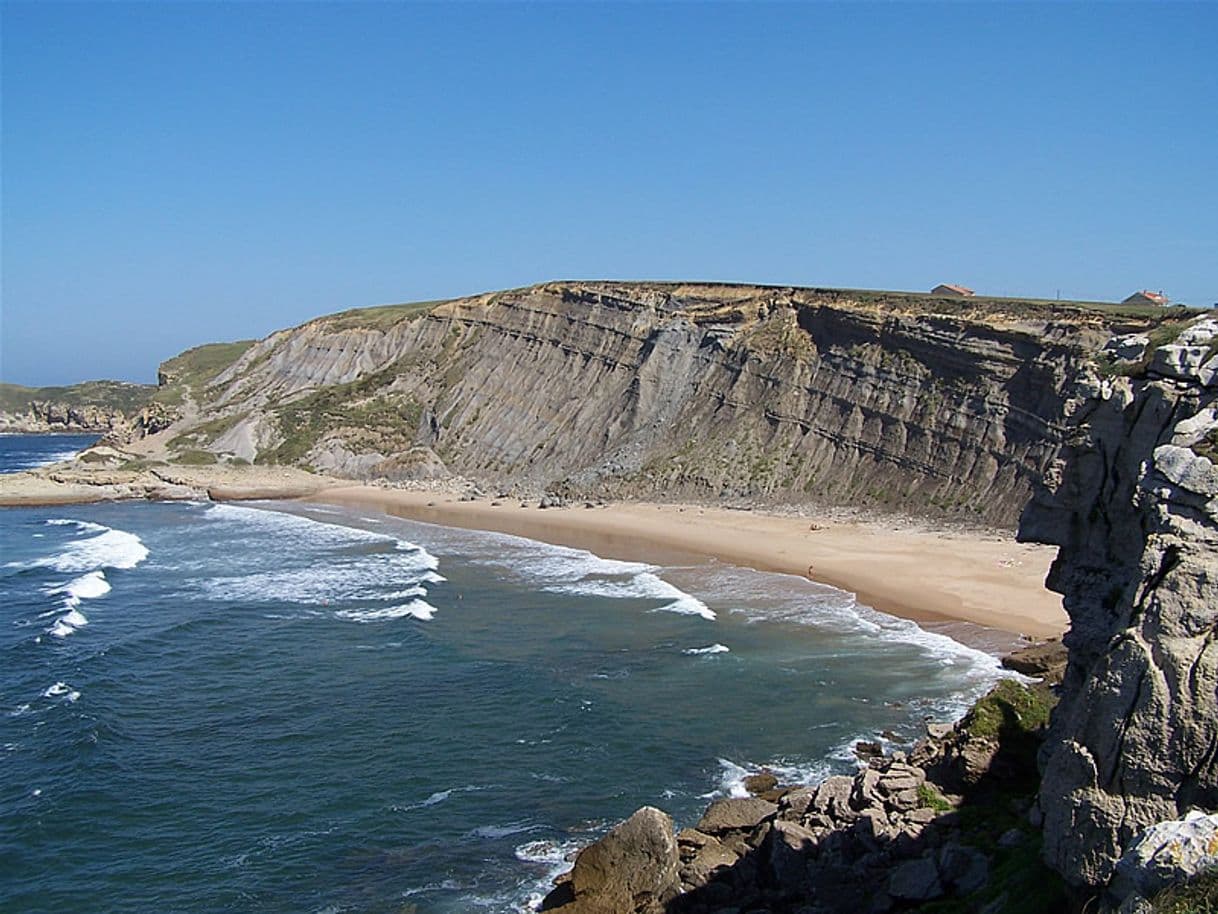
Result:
[{"x": 632, "y": 870}]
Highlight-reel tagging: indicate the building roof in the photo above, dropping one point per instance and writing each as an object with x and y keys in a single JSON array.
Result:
[
  {"x": 962, "y": 290},
  {"x": 1153, "y": 296}
]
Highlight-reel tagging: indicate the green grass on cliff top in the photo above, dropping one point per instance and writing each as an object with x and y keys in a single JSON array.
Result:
[
  {"x": 195, "y": 368},
  {"x": 378, "y": 317},
  {"x": 119, "y": 395}
]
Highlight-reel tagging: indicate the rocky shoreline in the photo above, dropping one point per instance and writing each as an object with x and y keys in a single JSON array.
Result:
[{"x": 951, "y": 821}]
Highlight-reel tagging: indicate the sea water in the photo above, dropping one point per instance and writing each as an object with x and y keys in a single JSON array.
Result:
[
  {"x": 24, "y": 452},
  {"x": 296, "y": 708}
]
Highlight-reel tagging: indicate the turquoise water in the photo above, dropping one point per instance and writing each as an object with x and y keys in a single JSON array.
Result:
[{"x": 289, "y": 708}]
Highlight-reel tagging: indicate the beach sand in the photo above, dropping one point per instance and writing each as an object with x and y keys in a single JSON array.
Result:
[
  {"x": 910, "y": 571},
  {"x": 898, "y": 567}
]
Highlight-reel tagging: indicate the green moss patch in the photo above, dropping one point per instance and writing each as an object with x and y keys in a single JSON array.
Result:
[
  {"x": 1010, "y": 709},
  {"x": 929, "y": 797}
]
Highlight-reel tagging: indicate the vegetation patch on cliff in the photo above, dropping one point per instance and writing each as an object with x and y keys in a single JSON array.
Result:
[
  {"x": 1010, "y": 709},
  {"x": 1164, "y": 334},
  {"x": 378, "y": 420}
]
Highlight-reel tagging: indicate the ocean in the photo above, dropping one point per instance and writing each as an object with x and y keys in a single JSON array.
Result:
[{"x": 299, "y": 708}]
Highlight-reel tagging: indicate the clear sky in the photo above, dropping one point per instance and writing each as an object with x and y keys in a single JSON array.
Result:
[{"x": 179, "y": 173}]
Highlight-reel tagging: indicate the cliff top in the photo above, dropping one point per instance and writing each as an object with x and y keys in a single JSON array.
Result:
[{"x": 697, "y": 297}]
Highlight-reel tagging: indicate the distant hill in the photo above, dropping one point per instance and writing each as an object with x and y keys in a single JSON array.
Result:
[{"x": 91, "y": 406}]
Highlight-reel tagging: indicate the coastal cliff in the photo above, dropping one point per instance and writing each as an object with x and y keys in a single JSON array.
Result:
[
  {"x": 894, "y": 401},
  {"x": 1133, "y": 503}
]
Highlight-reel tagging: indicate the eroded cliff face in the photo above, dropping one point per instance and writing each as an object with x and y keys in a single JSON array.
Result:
[
  {"x": 669, "y": 390},
  {"x": 1133, "y": 504}
]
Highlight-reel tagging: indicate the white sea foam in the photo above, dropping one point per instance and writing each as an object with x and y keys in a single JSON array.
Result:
[
  {"x": 732, "y": 776},
  {"x": 555, "y": 856},
  {"x": 712, "y": 649},
  {"x": 109, "y": 548},
  {"x": 60, "y": 629},
  {"x": 504, "y": 831},
  {"x": 42, "y": 460},
  {"x": 361, "y": 568},
  {"x": 417, "y": 609},
  {"x": 256, "y": 522},
  {"x": 768, "y": 597},
  {"x": 88, "y": 586},
  {"x": 444, "y": 885},
  {"x": 559, "y": 569}
]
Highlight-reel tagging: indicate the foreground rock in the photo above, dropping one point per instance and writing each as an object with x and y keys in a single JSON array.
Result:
[
  {"x": 633, "y": 868},
  {"x": 1133, "y": 503}
]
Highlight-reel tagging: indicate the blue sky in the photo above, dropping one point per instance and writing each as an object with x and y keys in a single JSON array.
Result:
[{"x": 179, "y": 173}]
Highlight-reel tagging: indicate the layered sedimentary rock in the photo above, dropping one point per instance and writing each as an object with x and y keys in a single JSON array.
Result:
[
  {"x": 680, "y": 391},
  {"x": 1133, "y": 503}
]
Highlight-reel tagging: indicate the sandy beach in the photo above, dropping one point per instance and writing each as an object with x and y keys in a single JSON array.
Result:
[
  {"x": 894, "y": 565},
  {"x": 905, "y": 570}
]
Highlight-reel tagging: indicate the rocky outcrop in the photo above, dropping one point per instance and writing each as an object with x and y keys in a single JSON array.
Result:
[
  {"x": 681, "y": 391},
  {"x": 1133, "y": 504},
  {"x": 905, "y": 830}
]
